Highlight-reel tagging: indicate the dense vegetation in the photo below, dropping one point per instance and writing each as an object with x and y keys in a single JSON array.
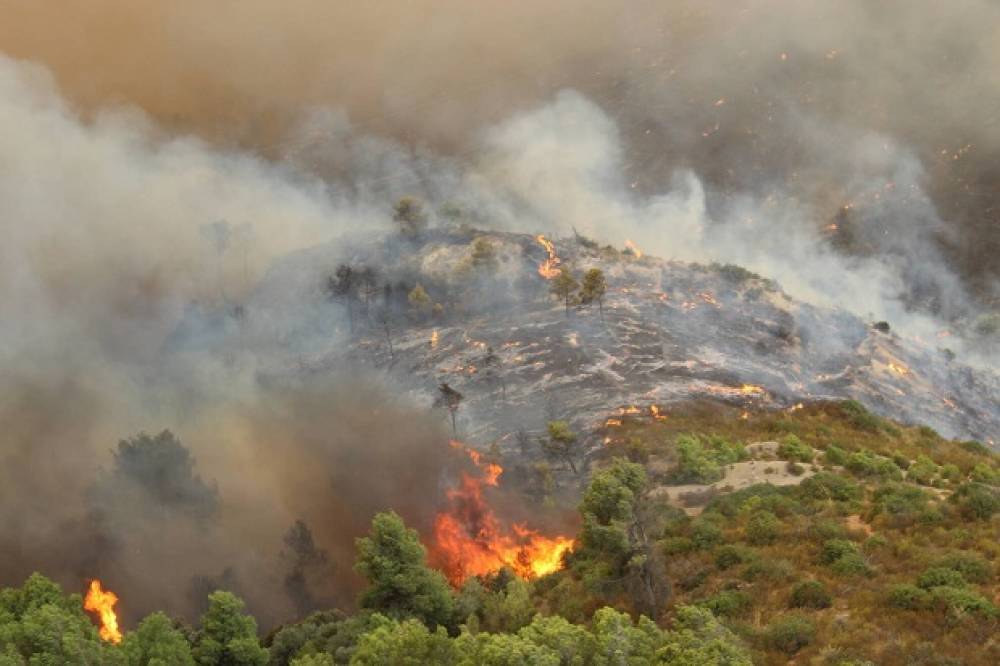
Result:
[{"x": 882, "y": 549}]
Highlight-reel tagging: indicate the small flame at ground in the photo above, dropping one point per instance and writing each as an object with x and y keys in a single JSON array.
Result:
[
  {"x": 549, "y": 268},
  {"x": 635, "y": 250},
  {"x": 901, "y": 370},
  {"x": 655, "y": 412},
  {"x": 103, "y": 603},
  {"x": 434, "y": 339},
  {"x": 470, "y": 541}
]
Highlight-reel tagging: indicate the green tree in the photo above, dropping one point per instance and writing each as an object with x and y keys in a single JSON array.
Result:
[
  {"x": 400, "y": 584},
  {"x": 698, "y": 638},
  {"x": 420, "y": 301},
  {"x": 564, "y": 286},
  {"x": 228, "y": 635},
  {"x": 615, "y": 553},
  {"x": 156, "y": 642},
  {"x": 484, "y": 255},
  {"x": 406, "y": 643},
  {"x": 593, "y": 288},
  {"x": 561, "y": 443},
  {"x": 409, "y": 214}
]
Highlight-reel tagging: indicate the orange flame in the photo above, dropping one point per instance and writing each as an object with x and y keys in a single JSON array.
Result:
[
  {"x": 549, "y": 268},
  {"x": 103, "y": 603},
  {"x": 655, "y": 412},
  {"x": 434, "y": 339},
  {"x": 635, "y": 250},
  {"x": 470, "y": 541}
]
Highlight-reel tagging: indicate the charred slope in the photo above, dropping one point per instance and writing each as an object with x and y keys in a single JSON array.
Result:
[{"x": 670, "y": 331}]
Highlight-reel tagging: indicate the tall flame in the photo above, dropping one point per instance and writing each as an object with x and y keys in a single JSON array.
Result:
[
  {"x": 549, "y": 268},
  {"x": 470, "y": 540},
  {"x": 103, "y": 603}
]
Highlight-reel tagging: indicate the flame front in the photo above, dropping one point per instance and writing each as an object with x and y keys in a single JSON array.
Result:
[
  {"x": 549, "y": 268},
  {"x": 103, "y": 603},
  {"x": 470, "y": 540}
]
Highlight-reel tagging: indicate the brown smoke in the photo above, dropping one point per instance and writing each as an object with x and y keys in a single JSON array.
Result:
[{"x": 746, "y": 93}]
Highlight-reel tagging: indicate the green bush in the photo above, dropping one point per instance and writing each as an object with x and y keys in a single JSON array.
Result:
[
  {"x": 904, "y": 503},
  {"x": 834, "y": 549},
  {"x": 793, "y": 448},
  {"x": 701, "y": 457},
  {"x": 676, "y": 545},
  {"x": 789, "y": 634},
  {"x": 940, "y": 577},
  {"x": 972, "y": 567},
  {"x": 957, "y": 602},
  {"x": 728, "y": 603},
  {"x": 853, "y": 564},
  {"x": 768, "y": 569},
  {"x": 860, "y": 417},
  {"x": 705, "y": 533},
  {"x": 976, "y": 501},
  {"x": 729, "y": 556},
  {"x": 908, "y": 597},
  {"x": 834, "y": 455},
  {"x": 868, "y": 464},
  {"x": 922, "y": 471},
  {"x": 762, "y": 528},
  {"x": 830, "y": 486},
  {"x": 983, "y": 473},
  {"x": 810, "y": 594}
]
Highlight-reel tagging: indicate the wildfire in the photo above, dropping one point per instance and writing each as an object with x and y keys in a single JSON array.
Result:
[
  {"x": 746, "y": 390},
  {"x": 635, "y": 250},
  {"x": 655, "y": 412},
  {"x": 549, "y": 268},
  {"x": 901, "y": 370},
  {"x": 103, "y": 603},
  {"x": 434, "y": 339},
  {"x": 612, "y": 423},
  {"x": 470, "y": 540}
]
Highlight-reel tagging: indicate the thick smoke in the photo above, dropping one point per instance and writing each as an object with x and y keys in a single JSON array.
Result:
[{"x": 824, "y": 104}]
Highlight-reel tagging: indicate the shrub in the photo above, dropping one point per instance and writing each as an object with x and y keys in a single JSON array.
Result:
[
  {"x": 793, "y": 448},
  {"x": 827, "y": 486},
  {"x": 951, "y": 473},
  {"x": 922, "y": 471},
  {"x": 834, "y": 549},
  {"x": 676, "y": 545},
  {"x": 728, "y": 603},
  {"x": 976, "y": 501},
  {"x": 834, "y": 455},
  {"x": 763, "y": 528},
  {"x": 983, "y": 473},
  {"x": 858, "y": 416},
  {"x": 729, "y": 556},
  {"x": 972, "y": 567},
  {"x": 853, "y": 564},
  {"x": 768, "y": 569},
  {"x": 810, "y": 594},
  {"x": 903, "y": 502},
  {"x": 940, "y": 577},
  {"x": 908, "y": 597},
  {"x": 705, "y": 533},
  {"x": 866, "y": 463},
  {"x": 976, "y": 448},
  {"x": 789, "y": 634},
  {"x": 957, "y": 602}
]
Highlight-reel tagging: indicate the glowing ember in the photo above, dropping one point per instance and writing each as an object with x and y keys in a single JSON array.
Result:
[
  {"x": 709, "y": 298},
  {"x": 470, "y": 541},
  {"x": 635, "y": 250},
  {"x": 434, "y": 340},
  {"x": 747, "y": 390},
  {"x": 549, "y": 268},
  {"x": 745, "y": 415},
  {"x": 612, "y": 423},
  {"x": 901, "y": 370},
  {"x": 796, "y": 407},
  {"x": 631, "y": 409},
  {"x": 103, "y": 603},
  {"x": 655, "y": 412}
]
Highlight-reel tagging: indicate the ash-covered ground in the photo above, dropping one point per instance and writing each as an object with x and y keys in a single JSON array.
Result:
[{"x": 670, "y": 331}]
